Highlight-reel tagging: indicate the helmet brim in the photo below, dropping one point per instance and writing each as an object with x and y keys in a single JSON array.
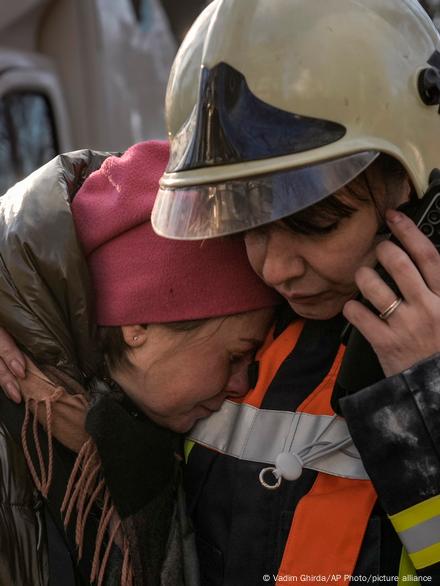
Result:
[{"x": 229, "y": 207}]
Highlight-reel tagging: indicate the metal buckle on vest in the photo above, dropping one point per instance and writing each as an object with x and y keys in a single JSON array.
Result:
[
  {"x": 275, "y": 474},
  {"x": 289, "y": 465}
]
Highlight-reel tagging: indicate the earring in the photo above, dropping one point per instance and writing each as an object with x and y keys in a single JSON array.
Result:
[{"x": 135, "y": 338}]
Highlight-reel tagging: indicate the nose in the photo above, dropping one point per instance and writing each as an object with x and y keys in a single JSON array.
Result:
[
  {"x": 238, "y": 382},
  {"x": 282, "y": 260}
]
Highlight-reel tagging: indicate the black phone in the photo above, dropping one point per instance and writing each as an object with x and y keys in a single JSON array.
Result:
[{"x": 360, "y": 366}]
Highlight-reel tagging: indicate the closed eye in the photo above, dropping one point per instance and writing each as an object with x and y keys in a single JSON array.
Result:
[{"x": 326, "y": 229}]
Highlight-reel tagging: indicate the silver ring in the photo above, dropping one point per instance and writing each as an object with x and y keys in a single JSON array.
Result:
[
  {"x": 266, "y": 484},
  {"x": 391, "y": 309}
]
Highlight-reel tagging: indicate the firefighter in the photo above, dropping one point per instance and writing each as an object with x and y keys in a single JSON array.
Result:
[{"x": 304, "y": 125}]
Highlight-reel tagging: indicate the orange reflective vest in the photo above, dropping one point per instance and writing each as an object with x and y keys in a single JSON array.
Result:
[{"x": 330, "y": 521}]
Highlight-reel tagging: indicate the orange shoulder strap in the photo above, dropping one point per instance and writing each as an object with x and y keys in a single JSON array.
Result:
[
  {"x": 330, "y": 521},
  {"x": 271, "y": 356}
]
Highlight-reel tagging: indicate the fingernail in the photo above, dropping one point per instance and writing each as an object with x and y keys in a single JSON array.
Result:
[
  {"x": 393, "y": 216},
  {"x": 18, "y": 368},
  {"x": 14, "y": 392}
]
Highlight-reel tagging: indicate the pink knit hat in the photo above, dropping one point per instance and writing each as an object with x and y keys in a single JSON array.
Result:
[{"x": 139, "y": 277}]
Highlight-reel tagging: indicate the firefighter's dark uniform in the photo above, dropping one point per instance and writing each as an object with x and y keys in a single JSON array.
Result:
[{"x": 322, "y": 524}]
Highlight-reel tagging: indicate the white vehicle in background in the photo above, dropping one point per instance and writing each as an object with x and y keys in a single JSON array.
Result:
[{"x": 81, "y": 73}]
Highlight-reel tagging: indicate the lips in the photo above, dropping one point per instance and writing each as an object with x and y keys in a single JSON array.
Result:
[
  {"x": 307, "y": 298},
  {"x": 303, "y": 296}
]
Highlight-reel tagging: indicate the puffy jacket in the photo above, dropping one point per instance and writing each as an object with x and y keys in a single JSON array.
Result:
[
  {"x": 44, "y": 294},
  {"x": 44, "y": 284},
  {"x": 23, "y": 551},
  {"x": 45, "y": 304}
]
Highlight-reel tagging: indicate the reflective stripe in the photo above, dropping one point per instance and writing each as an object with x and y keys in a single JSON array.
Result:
[
  {"x": 426, "y": 557},
  {"x": 259, "y": 435},
  {"x": 416, "y": 514},
  {"x": 421, "y": 536},
  {"x": 419, "y": 530}
]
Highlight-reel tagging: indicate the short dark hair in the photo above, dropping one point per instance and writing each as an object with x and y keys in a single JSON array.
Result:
[
  {"x": 113, "y": 346},
  {"x": 321, "y": 217}
]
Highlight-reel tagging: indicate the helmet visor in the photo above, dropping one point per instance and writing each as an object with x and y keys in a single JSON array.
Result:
[{"x": 228, "y": 207}]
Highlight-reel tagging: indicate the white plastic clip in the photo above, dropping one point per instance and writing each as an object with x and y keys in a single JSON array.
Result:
[{"x": 287, "y": 465}]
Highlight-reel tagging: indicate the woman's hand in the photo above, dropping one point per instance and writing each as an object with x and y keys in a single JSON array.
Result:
[
  {"x": 12, "y": 366},
  {"x": 412, "y": 331}
]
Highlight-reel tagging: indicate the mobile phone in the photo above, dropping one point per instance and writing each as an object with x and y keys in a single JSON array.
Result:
[{"x": 360, "y": 366}]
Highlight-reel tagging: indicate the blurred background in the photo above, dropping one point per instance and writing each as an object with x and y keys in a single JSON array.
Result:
[
  {"x": 87, "y": 73},
  {"x": 432, "y": 7},
  {"x": 83, "y": 73}
]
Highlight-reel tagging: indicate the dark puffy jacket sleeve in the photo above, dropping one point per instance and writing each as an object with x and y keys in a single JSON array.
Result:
[
  {"x": 395, "y": 424},
  {"x": 44, "y": 286},
  {"x": 23, "y": 551}
]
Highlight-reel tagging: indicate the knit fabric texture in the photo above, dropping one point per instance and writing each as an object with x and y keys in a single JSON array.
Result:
[{"x": 139, "y": 277}]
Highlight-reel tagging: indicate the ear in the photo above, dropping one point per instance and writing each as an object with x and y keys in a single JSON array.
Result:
[{"x": 134, "y": 336}]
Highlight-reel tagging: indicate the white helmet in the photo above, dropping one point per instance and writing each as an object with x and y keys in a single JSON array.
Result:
[{"x": 272, "y": 105}]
